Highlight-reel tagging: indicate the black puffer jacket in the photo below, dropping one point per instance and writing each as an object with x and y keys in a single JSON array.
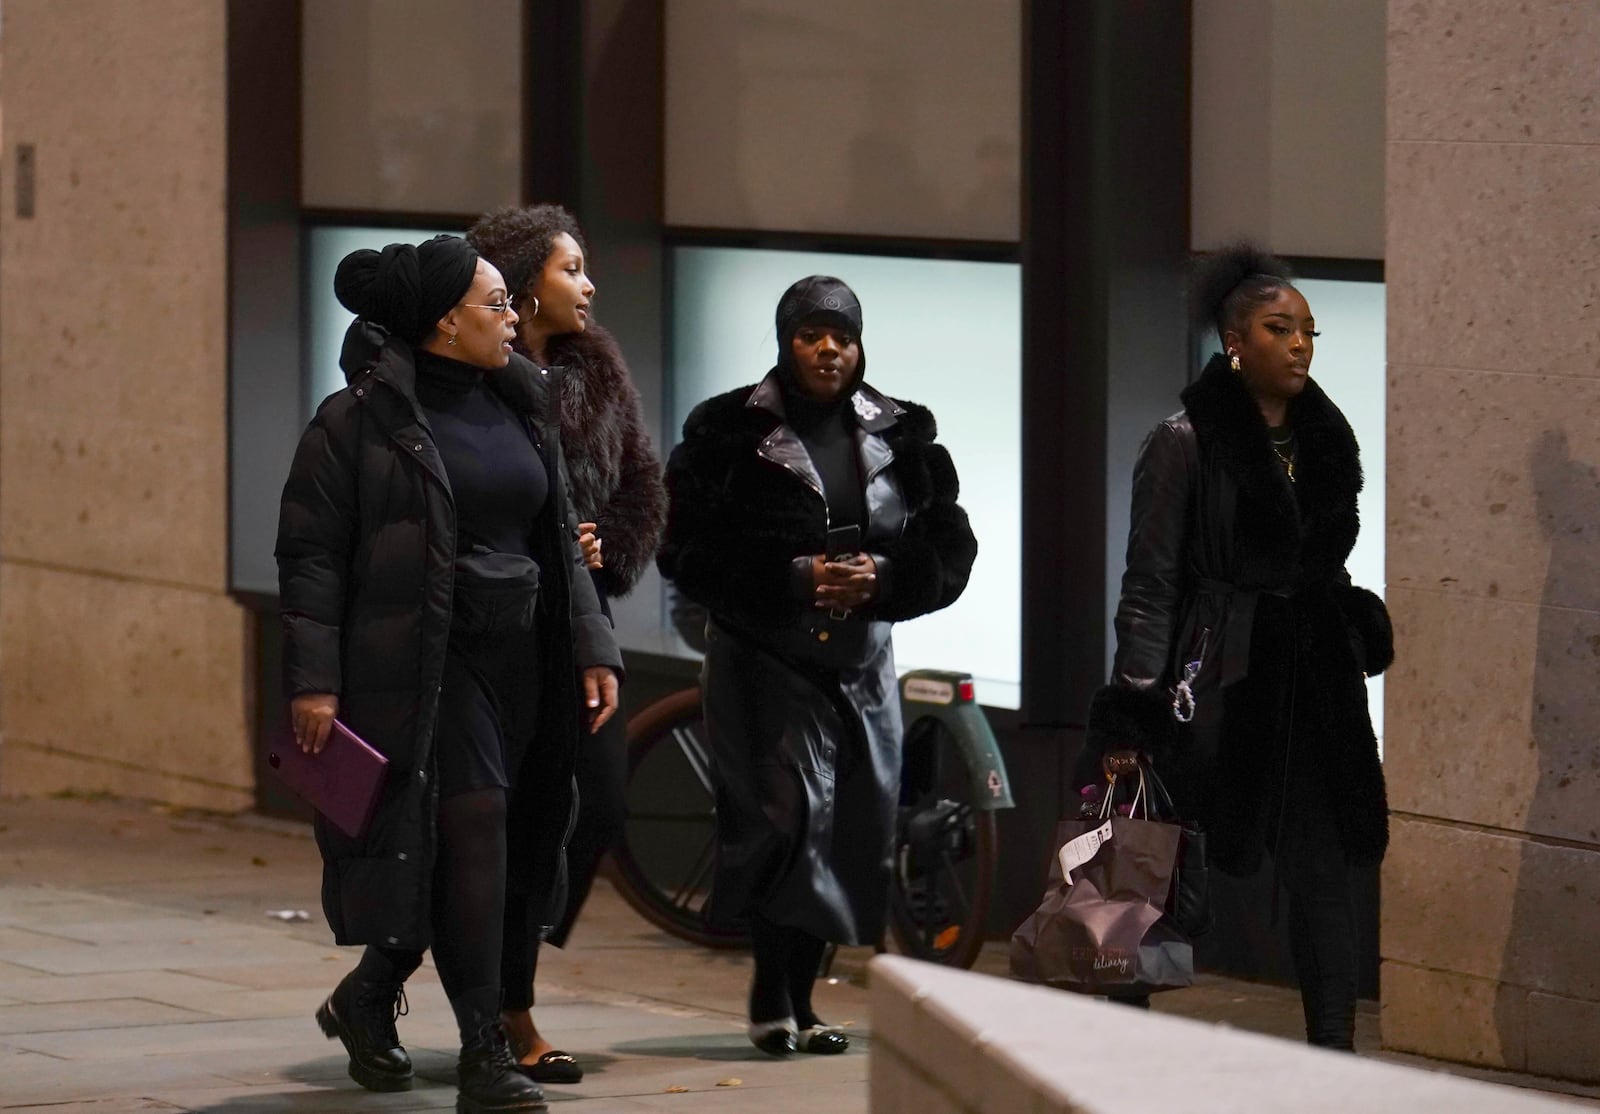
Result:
[
  {"x": 366, "y": 545},
  {"x": 1232, "y": 566}
]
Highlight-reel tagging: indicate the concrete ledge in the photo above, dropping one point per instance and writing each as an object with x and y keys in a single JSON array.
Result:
[{"x": 953, "y": 1042}]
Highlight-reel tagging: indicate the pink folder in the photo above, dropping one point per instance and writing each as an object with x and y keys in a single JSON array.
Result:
[{"x": 344, "y": 782}]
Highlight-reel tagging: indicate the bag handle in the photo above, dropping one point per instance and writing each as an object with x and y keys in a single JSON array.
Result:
[{"x": 1125, "y": 763}]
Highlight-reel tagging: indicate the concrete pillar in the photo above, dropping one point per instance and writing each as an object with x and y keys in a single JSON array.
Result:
[
  {"x": 122, "y": 658},
  {"x": 1491, "y": 897}
]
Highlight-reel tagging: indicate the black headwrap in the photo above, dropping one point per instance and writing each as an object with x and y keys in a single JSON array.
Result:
[
  {"x": 818, "y": 300},
  {"x": 406, "y": 289}
]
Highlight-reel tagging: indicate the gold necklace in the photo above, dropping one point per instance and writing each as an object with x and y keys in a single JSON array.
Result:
[{"x": 1286, "y": 461}]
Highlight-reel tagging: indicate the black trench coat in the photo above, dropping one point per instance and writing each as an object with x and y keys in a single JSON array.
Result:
[
  {"x": 802, "y": 710},
  {"x": 1232, "y": 566},
  {"x": 366, "y": 546}
]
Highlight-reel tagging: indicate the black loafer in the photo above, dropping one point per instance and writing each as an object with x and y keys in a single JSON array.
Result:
[
  {"x": 553, "y": 1067},
  {"x": 822, "y": 1040}
]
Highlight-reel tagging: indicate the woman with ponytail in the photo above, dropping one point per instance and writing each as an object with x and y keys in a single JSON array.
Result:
[
  {"x": 1241, "y": 643},
  {"x": 434, "y": 599}
]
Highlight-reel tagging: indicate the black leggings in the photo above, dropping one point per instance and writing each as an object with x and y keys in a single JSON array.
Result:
[
  {"x": 1315, "y": 877},
  {"x": 601, "y": 772},
  {"x": 469, "y": 883},
  {"x": 787, "y": 960}
]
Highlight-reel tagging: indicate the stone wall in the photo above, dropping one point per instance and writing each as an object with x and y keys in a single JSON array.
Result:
[
  {"x": 122, "y": 659},
  {"x": 1491, "y": 895}
]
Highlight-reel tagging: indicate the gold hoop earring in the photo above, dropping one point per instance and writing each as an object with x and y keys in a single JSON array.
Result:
[
  {"x": 535, "y": 312},
  {"x": 1233, "y": 360}
]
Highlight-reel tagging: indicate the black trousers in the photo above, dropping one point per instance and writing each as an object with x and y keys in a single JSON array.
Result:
[
  {"x": 1315, "y": 879},
  {"x": 601, "y": 773}
]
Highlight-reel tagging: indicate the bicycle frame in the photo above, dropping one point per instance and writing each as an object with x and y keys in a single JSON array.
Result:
[{"x": 949, "y": 698}]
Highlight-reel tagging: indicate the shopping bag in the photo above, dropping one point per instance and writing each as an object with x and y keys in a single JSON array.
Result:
[
  {"x": 1189, "y": 901},
  {"x": 1101, "y": 927}
]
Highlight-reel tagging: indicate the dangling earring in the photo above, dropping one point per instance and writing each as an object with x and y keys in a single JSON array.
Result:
[
  {"x": 1233, "y": 360},
  {"x": 452, "y": 342}
]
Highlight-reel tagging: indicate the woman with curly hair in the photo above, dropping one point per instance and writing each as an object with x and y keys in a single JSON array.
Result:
[
  {"x": 615, "y": 477},
  {"x": 1241, "y": 643}
]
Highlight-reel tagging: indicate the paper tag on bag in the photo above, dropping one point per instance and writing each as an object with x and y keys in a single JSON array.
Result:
[{"x": 1075, "y": 852}]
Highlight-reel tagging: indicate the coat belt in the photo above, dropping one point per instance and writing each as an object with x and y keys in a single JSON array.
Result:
[{"x": 1240, "y": 603}]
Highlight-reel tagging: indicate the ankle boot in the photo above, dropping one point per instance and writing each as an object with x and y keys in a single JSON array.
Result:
[
  {"x": 489, "y": 1078},
  {"x": 362, "y": 1012},
  {"x": 1330, "y": 1012}
]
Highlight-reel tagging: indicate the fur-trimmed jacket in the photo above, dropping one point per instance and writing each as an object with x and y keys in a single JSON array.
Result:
[
  {"x": 739, "y": 516},
  {"x": 1236, "y": 582},
  {"x": 612, "y": 466},
  {"x": 801, "y": 706}
]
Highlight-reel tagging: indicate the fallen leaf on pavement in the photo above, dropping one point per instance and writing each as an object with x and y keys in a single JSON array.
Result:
[
  {"x": 733, "y": 1082},
  {"x": 677, "y": 1089}
]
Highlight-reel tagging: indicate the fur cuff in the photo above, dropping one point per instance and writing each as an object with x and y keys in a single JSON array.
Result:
[
  {"x": 1368, "y": 618},
  {"x": 1122, "y": 717}
]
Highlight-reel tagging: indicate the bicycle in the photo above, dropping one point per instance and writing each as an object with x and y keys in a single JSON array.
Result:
[{"x": 946, "y": 850}]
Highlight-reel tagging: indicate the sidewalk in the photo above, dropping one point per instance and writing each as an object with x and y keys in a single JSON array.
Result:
[{"x": 139, "y": 971}]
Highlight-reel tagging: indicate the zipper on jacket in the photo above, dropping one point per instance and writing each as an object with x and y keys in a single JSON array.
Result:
[{"x": 827, "y": 514}]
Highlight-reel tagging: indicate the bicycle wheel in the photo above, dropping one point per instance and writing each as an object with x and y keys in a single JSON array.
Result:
[
  {"x": 945, "y": 853},
  {"x": 663, "y": 863}
]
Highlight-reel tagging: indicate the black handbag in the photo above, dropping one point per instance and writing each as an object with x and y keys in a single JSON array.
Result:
[
  {"x": 495, "y": 593},
  {"x": 1189, "y": 902}
]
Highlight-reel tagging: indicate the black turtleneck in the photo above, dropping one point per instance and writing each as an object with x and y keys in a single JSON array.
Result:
[
  {"x": 496, "y": 475},
  {"x": 827, "y": 432}
]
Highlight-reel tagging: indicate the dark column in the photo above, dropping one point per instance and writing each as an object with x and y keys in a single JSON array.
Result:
[
  {"x": 264, "y": 333},
  {"x": 1104, "y": 352},
  {"x": 621, "y": 209},
  {"x": 552, "y": 104}
]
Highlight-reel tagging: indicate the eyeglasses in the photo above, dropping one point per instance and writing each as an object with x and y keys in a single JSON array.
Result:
[{"x": 502, "y": 308}]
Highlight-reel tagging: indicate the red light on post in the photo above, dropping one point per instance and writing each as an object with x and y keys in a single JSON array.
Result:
[{"x": 969, "y": 693}]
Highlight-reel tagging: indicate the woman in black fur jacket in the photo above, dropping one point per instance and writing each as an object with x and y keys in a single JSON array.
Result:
[
  {"x": 615, "y": 477},
  {"x": 807, "y": 514},
  {"x": 1241, "y": 643}
]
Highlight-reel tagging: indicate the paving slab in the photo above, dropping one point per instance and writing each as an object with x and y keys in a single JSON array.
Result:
[{"x": 139, "y": 971}]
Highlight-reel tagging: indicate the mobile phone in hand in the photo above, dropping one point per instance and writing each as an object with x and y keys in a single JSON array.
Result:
[{"x": 843, "y": 541}]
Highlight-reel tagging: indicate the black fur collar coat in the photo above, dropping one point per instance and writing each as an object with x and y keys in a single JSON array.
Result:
[
  {"x": 1236, "y": 582},
  {"x": 612, "y": 467},
  {"x": 737, "y": 520}
]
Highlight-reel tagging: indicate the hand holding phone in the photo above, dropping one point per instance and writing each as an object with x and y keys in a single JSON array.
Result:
[{"x": 843, "y": 541}]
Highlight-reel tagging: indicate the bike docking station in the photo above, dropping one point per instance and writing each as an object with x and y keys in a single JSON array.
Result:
[
  {"x": 952, "y": 782},
  {"x": 951, "y": 700}
]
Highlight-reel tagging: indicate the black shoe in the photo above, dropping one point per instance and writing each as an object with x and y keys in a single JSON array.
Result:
[
  {"x": 554, "y": 1066},
  {"x": 489, "y": 1077},
  {"x": 822, "y": 1040},
  {"x": 775, "y": 1038},
  {"x": 361, "y": 1012}
]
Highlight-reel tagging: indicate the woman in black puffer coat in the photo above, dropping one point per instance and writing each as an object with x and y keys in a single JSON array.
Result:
[
  {"x": 801, "y": 702},
  {"x": 1241, "y": 643},
  {"x": 615, "y": 476},
  {"x": 439, "y": 464}
]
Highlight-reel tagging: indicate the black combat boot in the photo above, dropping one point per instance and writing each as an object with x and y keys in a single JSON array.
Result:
[
  {"x": 361, "y": 1012},
  {"x": 488, "y": 1076}
]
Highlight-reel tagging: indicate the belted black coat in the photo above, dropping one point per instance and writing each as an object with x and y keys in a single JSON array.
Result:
[
  {"x": 1238, "y": 574},
  {"x": 802, "y": 709},
  {"x": 366, "y": 547}
]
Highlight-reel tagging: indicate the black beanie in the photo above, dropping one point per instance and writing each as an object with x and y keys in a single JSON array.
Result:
[
  {"x": 820, "y": 298},
  {"x": 406, "y": 289}
]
